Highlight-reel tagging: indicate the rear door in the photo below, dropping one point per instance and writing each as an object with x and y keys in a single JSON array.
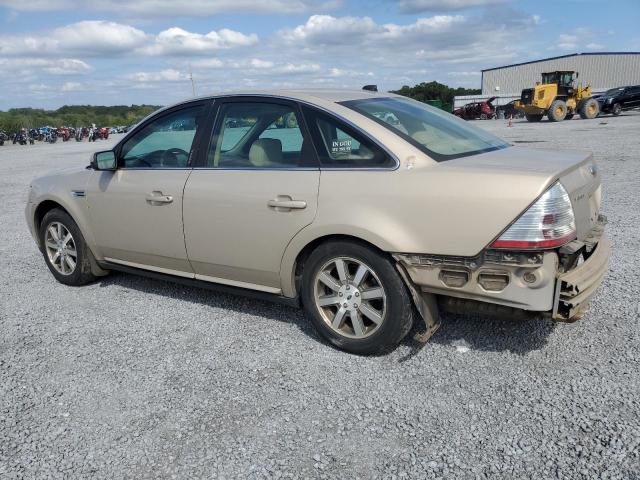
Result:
[
  {"x": 633, "y": 97},
  {"x": 257, "y": 187}
]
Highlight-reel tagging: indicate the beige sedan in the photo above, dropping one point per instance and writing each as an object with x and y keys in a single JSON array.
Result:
[{"x": 367, "y": 209}]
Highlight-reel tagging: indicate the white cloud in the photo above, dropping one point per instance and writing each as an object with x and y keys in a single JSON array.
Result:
[
  {"x": 168, "y": 8},
  {"x": 87, "y": 37},
  {"x": 176, "y": 41},
  {"x": 168, "y": 75},
  {"x": 416, "y": 6},
  {"x": 100, "y": 38},
  {"x": 577, "y": 39},
  {"x": 24, "y": 66},
  {"x": 209, "y": 63},
  {"x": 70, "y": 86},
  {"x": 325, "y": 29},
  {"x": 567, "y": 42},
  {"x": 67, "y": 66},
  {"x": 257, "y": 63}
]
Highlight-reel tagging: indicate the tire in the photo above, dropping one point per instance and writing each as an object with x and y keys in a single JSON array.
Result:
[
  {"x": 617, "y": 109},
  {"x": 533, "y": 117},
  {"x": 557, "y": 111},
  {"x": 589, "y": 108},
  {"x": 62, "y": 269},
  {"x": 389, "y": 302}
]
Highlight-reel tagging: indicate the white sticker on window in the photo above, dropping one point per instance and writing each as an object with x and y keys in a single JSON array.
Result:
[{"x": 341, "y": 146}]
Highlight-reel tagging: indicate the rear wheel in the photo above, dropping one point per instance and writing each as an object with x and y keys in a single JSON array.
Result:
[
  {"x": 617, "y": 109},
  {"x": 533, "y": 117},
  {"x": 589, "y": 108},
  {"x": 64, "y": 249},
  {"x": 557, "y": 111},
  {"x": 355, "y": 298}
]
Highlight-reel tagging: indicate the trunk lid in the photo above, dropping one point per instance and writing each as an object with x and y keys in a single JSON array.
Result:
[{"x": 577, "y": 171}]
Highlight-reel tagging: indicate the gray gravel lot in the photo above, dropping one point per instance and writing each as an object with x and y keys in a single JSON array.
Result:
[{"x": 137, "y": 378}]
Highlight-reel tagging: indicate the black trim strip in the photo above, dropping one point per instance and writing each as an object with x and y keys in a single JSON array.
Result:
[{"x": 217, "y": 287}]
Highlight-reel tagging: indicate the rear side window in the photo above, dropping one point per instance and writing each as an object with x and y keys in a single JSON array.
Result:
[
  {"x": 257, "y": 135},
  {"x": 340, "y": 146}
]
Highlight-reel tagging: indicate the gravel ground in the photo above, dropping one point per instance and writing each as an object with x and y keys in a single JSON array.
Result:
[{"x": 136, "y": 378}]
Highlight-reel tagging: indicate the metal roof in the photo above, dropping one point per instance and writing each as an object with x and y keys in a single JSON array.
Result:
[{"x": 560, "y": 56}]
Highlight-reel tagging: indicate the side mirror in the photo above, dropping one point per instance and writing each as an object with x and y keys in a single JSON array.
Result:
[{"x": 104, "y": 160}]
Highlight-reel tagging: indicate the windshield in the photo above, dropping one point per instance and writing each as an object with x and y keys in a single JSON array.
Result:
[{"x": 437, "y": 133}]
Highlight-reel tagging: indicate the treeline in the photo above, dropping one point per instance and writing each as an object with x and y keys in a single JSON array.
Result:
[
  {"x": 73, "y": 116},
  {"x": 433, "y": 91}
]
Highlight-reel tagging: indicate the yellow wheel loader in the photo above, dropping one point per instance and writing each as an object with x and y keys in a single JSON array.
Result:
[{"x": 558, "y": 98}]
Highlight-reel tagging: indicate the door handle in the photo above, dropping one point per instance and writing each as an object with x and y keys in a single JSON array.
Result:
[
  {"x": 158, "y": 197},
  {"x": 285, "y": 203}
]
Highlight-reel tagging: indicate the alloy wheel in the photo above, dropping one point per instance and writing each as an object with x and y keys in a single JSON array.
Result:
[
  {"x": 350, "y": 298},
  {"x": 61, "y": 248}
]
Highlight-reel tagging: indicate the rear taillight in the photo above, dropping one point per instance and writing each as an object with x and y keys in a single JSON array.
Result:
[{"x": 548, "y": 223}]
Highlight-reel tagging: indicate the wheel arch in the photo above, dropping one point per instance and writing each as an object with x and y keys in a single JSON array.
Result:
[
  {"x": 49, "y": 203},
  {"x": 301, "y": 246},
  {"x": 40, "y": 211}
]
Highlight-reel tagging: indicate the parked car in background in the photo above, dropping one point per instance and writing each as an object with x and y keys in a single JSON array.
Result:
[
  {"x": 360, "y": 220},
  {"x": 3, "y": 137},
  {"x": 509, "y": 110},
  {"x": 616, "y": 100},
  {"x": 477, "y": 110}
]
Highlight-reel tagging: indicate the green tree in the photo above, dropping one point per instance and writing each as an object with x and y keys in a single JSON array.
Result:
[{"x": 435, "y": 91}]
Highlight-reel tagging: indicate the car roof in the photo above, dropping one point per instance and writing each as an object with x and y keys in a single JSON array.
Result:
[{"x": 313, "y": 96}]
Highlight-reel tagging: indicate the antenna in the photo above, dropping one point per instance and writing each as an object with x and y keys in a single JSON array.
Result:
[{"x": 193, "y": 85}]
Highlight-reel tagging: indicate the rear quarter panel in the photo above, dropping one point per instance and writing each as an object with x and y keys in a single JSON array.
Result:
[{"x": 430, "y": 208}]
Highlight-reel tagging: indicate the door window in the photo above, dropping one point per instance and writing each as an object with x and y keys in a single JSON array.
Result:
[
  {"x": 165, "y": 142},
  {"x": 340, "y": 146},
  {"x": 257, "y": 135}
]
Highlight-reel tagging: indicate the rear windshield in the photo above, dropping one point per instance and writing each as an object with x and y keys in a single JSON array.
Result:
[{"x": 439, "y": 134}]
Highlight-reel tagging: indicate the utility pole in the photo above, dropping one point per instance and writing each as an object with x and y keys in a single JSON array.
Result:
[{"x": 193, "y": 85}]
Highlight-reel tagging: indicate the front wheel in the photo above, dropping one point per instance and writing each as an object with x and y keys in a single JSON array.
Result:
[
  {"x": 355, "y": 298},
  {"x": 557, "y": 111},
  {"x": 589, "y": 108},
  {"x": 617, "y": 109},
  {"x": 64, "y": 249}
]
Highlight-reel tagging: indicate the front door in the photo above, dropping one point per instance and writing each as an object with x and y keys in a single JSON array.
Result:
[
  {"x": 136, "y": 211},
  {"x": 258, "y": 188}
]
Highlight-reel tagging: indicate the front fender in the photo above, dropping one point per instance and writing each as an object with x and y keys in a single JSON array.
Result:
[{"x": 67, "y": 189}]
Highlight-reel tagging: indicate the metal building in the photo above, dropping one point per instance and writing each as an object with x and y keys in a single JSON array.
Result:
[{"x": 600, "y": 70}]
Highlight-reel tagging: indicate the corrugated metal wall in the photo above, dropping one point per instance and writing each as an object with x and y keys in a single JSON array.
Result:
[{"x": 600, "y": 71}]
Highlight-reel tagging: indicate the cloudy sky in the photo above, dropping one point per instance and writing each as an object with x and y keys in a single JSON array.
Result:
[{"x": 56, "y": 52}]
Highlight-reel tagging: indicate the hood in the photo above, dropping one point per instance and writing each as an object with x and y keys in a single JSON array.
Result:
[{"x": 491, "y": 99}]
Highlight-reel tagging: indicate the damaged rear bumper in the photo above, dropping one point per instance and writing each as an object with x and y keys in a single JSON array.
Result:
[
  {"x": 511, "y": 284},
  {"x": 575, "y": 288}
]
